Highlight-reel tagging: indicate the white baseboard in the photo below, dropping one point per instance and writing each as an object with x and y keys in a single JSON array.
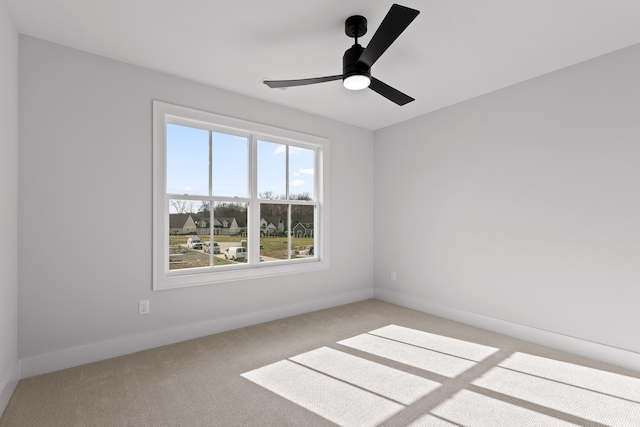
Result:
[
  {"x": 76, "y": 356},
  {"x": 8, "y": 385},
  {"x": 592, "y": 350}
]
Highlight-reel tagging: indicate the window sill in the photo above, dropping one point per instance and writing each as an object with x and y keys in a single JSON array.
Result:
[{"x": 195, "y": 278}]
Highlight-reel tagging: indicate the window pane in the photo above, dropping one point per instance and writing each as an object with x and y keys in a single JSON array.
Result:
[
  {"x": 230, "y": 165},
  {"x": 188, "y": 227},
  {"x": 273, "y": 225},
  {"x": 187, "y": 160},
  {"x": 221, "y": 179},
  {"x": 302, "y": 231},
  {"x": 230, "y": 231},
  {"x": 272, "y": 170},
  {"x": 210, "y": 246},
  {"x": 301, "y": 173}
]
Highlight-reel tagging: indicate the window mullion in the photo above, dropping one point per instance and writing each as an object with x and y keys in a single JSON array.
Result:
[
  {"x": 253, "y": 226},
  {"x": 289, "y": 231},
  {"x": 211, "y": 204},
  {"x": 210, "y": 163},
  {"x": 288, "y": 194},
  {"x": 317, "y": 212},
  {"x": 287, "y": 189}
]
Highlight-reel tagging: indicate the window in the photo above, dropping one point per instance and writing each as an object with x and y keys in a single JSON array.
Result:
[{"x": 234, "y": 199}]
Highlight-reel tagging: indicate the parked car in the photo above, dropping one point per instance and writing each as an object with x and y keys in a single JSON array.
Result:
[
  {"x": 235, "y": 253},
  {"x": 194, "y": 243},
  {"x": 207, "y": 247}
]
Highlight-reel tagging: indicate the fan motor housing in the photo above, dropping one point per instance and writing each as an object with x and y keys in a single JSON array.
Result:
[{"x": 350, "y": 64}]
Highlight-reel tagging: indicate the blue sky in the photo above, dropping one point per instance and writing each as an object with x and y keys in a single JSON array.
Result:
[{"x": 188, "y": 164}]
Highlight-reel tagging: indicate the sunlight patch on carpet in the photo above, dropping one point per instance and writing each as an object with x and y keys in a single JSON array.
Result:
[
  {"x": 433, "y": 361},
  {"x": 341, "y": 403},
  {"x": 359, "y": 389},
  {"x": 581, "y": 402},
  {"x": 435, "y": 342},
  {"x": 383, "y": 380},
  {"x": 467, "y": 408},
  {"x": 572, "y": 374},
  {"x": 429, "y": 420}
]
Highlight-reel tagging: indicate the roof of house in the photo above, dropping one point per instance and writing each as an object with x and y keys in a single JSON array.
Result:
[
  {"x": 272, "y": 220},
  {"x": 178, "y": 220},
  {"x": 231, "y": 219},
  {"x": 306, "y": 220}
]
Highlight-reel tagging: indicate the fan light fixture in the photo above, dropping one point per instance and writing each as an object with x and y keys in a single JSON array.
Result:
[
  {"x": 357, "y": 82},
  {"x": 357, "y": 60}
]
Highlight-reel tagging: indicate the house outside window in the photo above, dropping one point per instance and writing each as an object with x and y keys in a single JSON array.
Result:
[{"x": 255, "y": 193}]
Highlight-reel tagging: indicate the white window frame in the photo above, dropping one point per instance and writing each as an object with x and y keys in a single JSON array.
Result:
[{"x": 163, "y": 278}]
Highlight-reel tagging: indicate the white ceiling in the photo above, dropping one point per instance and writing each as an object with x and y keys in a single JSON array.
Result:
[{"x": 454, "y": 50}]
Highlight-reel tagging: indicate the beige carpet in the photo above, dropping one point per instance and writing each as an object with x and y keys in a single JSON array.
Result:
[{"x": 364, "y": 364}]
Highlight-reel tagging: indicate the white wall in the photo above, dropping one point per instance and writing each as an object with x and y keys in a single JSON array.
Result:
[
  {"x": 85, "y": 214},
  {"x": 521, "y": 207},
  {"x": 9, "y": 366}
]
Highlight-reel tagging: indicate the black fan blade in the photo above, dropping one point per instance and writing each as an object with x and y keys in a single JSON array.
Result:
[
  {"x": 397, "y": 20},
  {"x": 388, "y": 92},
  {"x": 301, "y": 82}
]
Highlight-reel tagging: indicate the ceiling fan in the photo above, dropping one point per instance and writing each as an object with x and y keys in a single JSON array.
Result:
[{"x": 357, "y": 61}]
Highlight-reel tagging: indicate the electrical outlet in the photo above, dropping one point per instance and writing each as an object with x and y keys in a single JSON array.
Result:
[
  {"x": 393, "y": 276},
  {"x": 143, "y": 306}
]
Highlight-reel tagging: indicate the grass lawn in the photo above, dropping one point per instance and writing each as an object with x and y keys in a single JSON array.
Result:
[{"x": 276, "y": 247}]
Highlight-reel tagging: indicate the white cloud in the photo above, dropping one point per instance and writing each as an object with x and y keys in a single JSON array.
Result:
[
  {"x": 297, "y": 182},
  {"x": 308, "y": 171},
  {"x": 282, "y": 149},
  {"x": 294, "y": 149}
]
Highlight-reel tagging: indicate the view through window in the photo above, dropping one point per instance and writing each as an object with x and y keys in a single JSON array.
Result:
[{"x": 232, "y": 198}]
